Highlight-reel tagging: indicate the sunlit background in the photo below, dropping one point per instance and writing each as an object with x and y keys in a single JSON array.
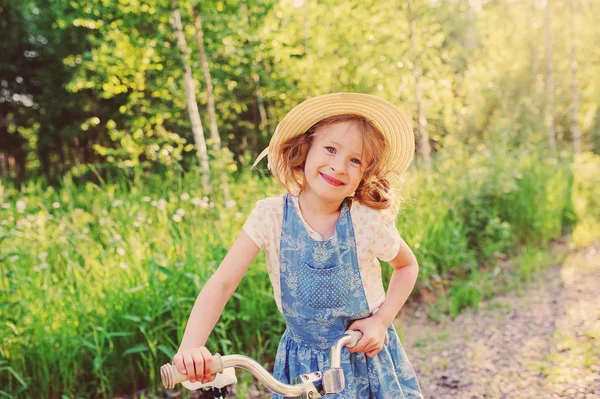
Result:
[{"x": 128, "y": 127}]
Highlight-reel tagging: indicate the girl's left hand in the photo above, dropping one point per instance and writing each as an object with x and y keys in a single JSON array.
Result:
[{"x": 374, "y": 333}]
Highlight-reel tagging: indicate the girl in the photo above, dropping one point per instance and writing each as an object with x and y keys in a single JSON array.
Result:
[{"x": 336, "y": 155}]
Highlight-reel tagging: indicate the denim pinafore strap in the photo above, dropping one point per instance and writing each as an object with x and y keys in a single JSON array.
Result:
[{"x": 321, "y": 295}]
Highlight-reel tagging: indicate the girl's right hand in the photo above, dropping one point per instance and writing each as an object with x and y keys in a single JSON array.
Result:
[{"x": 196, "y": 363}]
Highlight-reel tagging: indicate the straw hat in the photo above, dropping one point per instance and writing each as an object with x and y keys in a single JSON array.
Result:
[{"x": 385, "y": 116}]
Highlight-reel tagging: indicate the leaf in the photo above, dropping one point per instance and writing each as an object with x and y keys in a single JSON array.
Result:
[
  {"x": 131, "y": 317},
  {"x": 167, "y": 351},
  {"x": 136, "y": 349}
]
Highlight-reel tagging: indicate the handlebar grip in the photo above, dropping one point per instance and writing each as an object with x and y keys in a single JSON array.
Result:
[
  {"x": 170, "y": 376},
  {"x": 355, "y": 335}
]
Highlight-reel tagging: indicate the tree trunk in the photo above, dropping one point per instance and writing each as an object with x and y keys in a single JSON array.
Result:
[
  {"x": 425, "y": 148},
  {"x": 550, "y": 115},
  {"x": 574, "y": 85},
  {"x": 192, "y": 105},
  {"x": 470, "y": 42},
  {"x": 214, "y": 130},
  {"x": 260, "y": 104}
]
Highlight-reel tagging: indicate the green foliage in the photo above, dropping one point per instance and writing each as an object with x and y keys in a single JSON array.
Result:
[
  {"x": 586, "y": 198},
  {"x": 531, "y": 261}
]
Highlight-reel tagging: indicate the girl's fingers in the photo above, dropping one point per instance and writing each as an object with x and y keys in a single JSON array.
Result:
[
  {"x": 207, "y": 364},
  {"x": 360, "y": 345},
  {"x": 188, "y": 361},
  {"x": 200, "y": 363},
  {"x": 373, "y": 352},
  {"x": 178, "y": 362}
]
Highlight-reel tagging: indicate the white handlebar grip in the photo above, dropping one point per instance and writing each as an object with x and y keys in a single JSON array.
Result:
[
  {"x": 355, "y": 335},
  {"x": 170, "y": 376}
]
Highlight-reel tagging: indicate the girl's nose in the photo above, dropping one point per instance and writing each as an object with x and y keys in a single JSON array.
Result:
[{"x": 338, "y": 165}]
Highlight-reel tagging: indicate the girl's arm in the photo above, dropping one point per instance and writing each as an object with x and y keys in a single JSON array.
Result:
[
  {"x": 193, "y": 358},
  {"x": 402, "y": 282}
]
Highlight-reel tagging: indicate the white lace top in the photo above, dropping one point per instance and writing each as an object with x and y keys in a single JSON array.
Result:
[{"x": 376, "y": 237}]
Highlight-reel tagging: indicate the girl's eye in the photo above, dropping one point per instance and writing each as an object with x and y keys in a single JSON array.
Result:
[
  {"x": 330, "y": 149},
  {"x": 355, "y": 161}
]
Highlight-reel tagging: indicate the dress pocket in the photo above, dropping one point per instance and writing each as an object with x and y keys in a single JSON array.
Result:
[{"x": 324, "y": 288}]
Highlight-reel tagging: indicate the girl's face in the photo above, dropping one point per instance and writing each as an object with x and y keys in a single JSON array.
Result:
[{"x": 334, "y": 164}]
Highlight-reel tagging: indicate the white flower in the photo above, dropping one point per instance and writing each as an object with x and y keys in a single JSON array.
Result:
[
  {"x": 121, "y": 251},
  {"x": 117, "y": 203},
  {"x": 202, "y": 203},
  {"x": 43, "y": 266},
  {"x": 239, "y": 215},
  {"x": 229, "y": 203},
  {"x": 21, "y": 206},
  {"x": 123, "y": 265},
  {"x": 42, "y": 255},
  {"x": 6, "y": 205},
  {"x": 136, "y": 224},
  {"x": 180, "y": 212},
  {"x": 55, "y": 205},
  {"x": 13, "y": 258},
  {"x": 185, "y": 197},
  {"x": 162, "y": 204},
  {"x": 117, "y": 237},
  {"x": 85, "y": 230},
  {"x": 177, "y": 218},
  {"x": 145, "y": 198},
  {"x": 154, "y": 203}
]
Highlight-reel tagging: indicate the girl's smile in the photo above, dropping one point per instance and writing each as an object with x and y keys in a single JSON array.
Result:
[{"x": 331, "y": 180}]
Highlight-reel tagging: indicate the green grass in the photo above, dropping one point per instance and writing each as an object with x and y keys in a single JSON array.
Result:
[{"x": 97, "y": 281}]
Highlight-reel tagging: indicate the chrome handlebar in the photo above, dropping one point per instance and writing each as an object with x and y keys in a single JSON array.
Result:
[{"x": 306, "y": 386}]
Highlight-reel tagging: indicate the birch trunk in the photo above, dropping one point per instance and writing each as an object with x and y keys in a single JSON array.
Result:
[
  {"x": 192, "y": 105},
  {"x": 550, "y": 115},
  {"x": 425, "y": 148},
  {"x": 214, "y": 130},
  {"x": 574, "y": 84},
  {"x": 260, "y": 104}
]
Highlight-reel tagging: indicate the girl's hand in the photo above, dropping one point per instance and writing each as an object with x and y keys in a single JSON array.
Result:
[
  {"x": 196, "y": 363},
  {"x": 374, "y": 333}
]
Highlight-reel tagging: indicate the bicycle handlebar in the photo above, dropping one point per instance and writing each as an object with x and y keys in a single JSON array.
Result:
[{"x": 319, "y": 384}]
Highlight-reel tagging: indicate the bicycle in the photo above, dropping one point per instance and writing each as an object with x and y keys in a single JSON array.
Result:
[{"x": 306, "y": 386}]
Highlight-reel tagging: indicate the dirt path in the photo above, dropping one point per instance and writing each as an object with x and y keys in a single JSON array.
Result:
[{"x": 543, "y": 343}]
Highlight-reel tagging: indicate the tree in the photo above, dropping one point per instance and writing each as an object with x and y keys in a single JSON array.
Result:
[
  {"x": 425, "y": 148},
  {"x": 550, "y": 116},
  {"x": 192, "y": 106},
  {"x": 574, "y": 84}
]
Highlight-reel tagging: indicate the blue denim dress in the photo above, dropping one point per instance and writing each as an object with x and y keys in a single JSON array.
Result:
[{"x": 321, "y": 295}]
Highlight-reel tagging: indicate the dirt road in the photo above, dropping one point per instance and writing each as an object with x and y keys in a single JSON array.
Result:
[{"x": 541, "y": 343}]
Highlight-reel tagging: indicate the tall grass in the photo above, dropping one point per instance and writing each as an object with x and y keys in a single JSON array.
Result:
[{"x": 97, "y": 281}]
